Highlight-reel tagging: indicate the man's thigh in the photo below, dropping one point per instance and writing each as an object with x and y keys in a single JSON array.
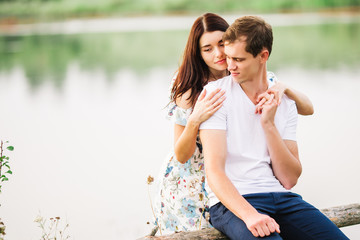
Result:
[
  {"x": 232, "y": 226},
  {"x": 300, "y": 220}
]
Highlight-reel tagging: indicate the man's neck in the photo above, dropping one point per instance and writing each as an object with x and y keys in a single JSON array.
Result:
[{"x": 254, "y": 87}]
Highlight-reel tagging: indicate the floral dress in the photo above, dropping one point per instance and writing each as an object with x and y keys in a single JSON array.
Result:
[{"x": 182, "y": 199}]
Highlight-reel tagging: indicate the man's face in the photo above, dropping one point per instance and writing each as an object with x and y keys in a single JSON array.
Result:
[{"x": 242, "y": 65}]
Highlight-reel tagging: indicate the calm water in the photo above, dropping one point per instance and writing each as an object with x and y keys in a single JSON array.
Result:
[{"x": 85, "y": 114}]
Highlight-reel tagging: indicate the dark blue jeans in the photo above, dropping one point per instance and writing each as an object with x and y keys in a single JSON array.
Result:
[{"x": 298, "y": 219}]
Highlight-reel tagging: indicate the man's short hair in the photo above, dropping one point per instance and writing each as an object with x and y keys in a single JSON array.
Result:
[{"x": 258, "y": 34}]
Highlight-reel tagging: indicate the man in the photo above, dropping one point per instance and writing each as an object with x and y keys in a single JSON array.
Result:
[{"x": 251, "y": 160}]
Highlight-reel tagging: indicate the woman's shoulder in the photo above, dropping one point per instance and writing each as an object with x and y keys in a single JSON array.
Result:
[{"x": 184, "y": 100}]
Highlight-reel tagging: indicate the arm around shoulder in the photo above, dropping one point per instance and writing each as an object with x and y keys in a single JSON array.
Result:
[{"x": 303, "y": 103}]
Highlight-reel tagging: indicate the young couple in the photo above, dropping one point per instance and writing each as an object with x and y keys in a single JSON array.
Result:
[{"x": 223, "y": 96}]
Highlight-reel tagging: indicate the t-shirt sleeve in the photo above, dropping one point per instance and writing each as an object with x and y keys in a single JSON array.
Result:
[
  {"x": 291, "y": 124},
  {"x": 218, "y": 120}
]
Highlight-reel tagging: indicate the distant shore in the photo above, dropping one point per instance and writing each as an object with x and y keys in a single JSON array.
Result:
[{"x": 162, "y": 23}]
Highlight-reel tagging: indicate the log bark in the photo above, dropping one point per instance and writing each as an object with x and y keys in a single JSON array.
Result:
[{"x": 342, "y": 216}]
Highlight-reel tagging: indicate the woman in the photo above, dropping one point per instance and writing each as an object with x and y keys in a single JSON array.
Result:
[{"x": 182, "y": 203}]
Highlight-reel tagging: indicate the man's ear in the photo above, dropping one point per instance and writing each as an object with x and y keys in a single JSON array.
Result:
[{"x": 264, "y": 55}]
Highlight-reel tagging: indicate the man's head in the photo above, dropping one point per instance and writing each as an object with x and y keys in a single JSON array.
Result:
[
  {"x": 256, "y": 32},
  {"x": 248, "y": 44}
]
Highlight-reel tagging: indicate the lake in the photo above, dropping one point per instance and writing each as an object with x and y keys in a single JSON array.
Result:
[{"x": 85, "y": 112}]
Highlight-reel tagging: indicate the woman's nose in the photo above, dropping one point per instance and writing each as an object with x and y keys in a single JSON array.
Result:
[{"x": 219, "y": 52}]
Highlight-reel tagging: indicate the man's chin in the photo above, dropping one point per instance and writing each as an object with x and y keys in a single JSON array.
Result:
[{"x": 237, "y": 79}]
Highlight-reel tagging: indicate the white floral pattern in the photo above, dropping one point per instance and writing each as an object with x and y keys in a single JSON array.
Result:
[{"x": 182, "y": 200}]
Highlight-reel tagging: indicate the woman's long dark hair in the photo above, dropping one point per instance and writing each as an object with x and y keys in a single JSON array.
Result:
[{"x": 193, "y": 72}]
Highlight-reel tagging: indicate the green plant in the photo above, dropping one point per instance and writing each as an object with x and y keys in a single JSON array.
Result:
[
  {"x": 51, "y": 231},
  {"x": 4, "y": 163},
  {"x": 2, "y": 230}
]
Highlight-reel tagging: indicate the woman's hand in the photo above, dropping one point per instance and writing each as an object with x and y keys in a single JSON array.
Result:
[
  {"x": 303, "y": 103},
  {"x": 206, "y": 106},
  {"x": 276, "y": 92}
]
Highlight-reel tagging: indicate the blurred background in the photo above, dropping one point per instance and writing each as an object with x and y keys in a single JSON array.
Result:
[{"x": 83, "y": 91}]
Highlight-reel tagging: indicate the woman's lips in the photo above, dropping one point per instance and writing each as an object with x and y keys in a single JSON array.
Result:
[{"x": 221, "y": 61}]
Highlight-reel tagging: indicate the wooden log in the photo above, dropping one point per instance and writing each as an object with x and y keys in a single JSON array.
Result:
[{"x": 342, "y": 216}]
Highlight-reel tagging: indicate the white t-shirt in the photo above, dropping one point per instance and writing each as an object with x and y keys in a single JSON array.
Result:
[{"x": 248, "y": 160}]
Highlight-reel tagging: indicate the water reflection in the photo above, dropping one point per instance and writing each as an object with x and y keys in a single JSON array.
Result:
[
  {"x": 85, "y": 111},
  {"x": 46, "y": 58}
]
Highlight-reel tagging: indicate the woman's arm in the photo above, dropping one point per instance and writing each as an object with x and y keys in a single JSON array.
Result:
[
  {"x": 185, "y": 136},
  {"x": 303, "y": 103}
]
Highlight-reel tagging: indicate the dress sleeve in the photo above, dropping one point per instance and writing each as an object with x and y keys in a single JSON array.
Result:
[
  {"x": 271, "y": 77},
  {"x": 175, "y": 113}
]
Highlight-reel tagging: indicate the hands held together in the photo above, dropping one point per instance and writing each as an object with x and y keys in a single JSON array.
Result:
[{"x": 267, "y": 103}]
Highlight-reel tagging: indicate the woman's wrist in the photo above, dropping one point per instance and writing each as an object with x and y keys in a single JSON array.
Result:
[{"x": 193, "y": 121}]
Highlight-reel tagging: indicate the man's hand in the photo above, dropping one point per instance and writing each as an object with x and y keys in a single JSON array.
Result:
[
  {"x": 261, "y": 225},
  {"x": 268, "y": 112}
]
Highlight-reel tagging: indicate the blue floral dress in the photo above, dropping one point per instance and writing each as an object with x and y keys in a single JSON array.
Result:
[{"x": 182, "y": 203}]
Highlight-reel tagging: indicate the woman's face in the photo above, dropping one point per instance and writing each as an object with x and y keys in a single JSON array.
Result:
[{"x": 212, "y": 51}]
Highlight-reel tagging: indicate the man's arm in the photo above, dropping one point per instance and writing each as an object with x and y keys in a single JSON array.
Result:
[
  {"x": 283, "y": 153},
  {"x": 215, "y": 148}
]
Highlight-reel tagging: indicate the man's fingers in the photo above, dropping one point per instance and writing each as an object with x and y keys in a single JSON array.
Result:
[
  {"x": 271, "y": 226},
  {"x": 261, "y": 96},
  {"x": 254, "y": 232},
  {"x": 276, "y": 95},
  {"x": 259, "y": 229},
  {"x": 262, "y": 101},
  {"x": 270, "y": 99},
  {"x": 277, "y": 226}
]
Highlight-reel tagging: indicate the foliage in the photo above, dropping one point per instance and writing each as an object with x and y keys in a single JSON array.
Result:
[
  {"x": 4, "y": 164},
  {"x": 56, "y": 9},
  {"x": 2, "y": 230},
  {"x": 51, "y": 231}
]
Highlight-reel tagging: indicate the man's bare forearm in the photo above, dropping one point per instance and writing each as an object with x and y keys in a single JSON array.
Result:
[
  {"x": 228, "y": 195},
  {"x": 284, "y": 156}
]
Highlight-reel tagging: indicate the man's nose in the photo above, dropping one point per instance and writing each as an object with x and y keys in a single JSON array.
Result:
[{"x": 230, "y": 63}]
